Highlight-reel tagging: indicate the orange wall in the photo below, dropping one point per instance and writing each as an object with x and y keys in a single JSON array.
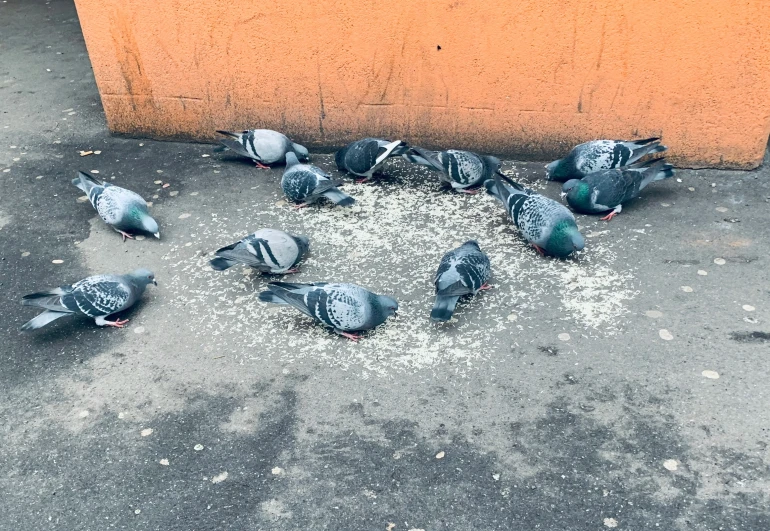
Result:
[{"x": 525, "y": 78}]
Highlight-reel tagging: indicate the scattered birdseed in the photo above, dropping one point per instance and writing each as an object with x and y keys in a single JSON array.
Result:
[
  {"x": 139, "y": 330},
  {"x": 722, "y": 209},
  {"x": 198, "y": 447},
  {"x": 193, "y": 193},
  {"x": 670, "y": 464},
  {"x": 665, "y": 334},
  {"x": 145, "y": 432},
  {"x": 205, "y": 155},
  {"x": 94, "y": 171},
  {"x": 6, "y": 170},
  {"x": 57, "y": 261},
  {"x": 25, "y": 254},
  {"x": 277, "y": 470},
  {"x": 86, "y": 153},
  {"x": 166, "y": 185},
  {"x": 512, "y": 317},
  {"x": 83, "y": 414},
  {"x": 82, "y": 199},
  {"x": 564, "y": 336},
  {"x": 665, "y": 204},
  {"x": 184, "y": 216},
  {"x": 748, "y": 307},
  {"x": 440, "y": 455},
  {"x": 39, "y": 177},
  {"x": 158, "y": 182},
  {"x": 137, "y": 511},
  {"x": 97, "y": 152},
  {"x": 686, "y": 289},
  {"x": 610, "y": 522},
  {"x": 702, "y": 273},
  {"x": 720, "y": 261},
  {"x": 159, "y": 171},
  {"x": 140, "y": 237},
  {"x": 653, "y": 313},
  {"x": 219, "y": 478},
  {"x": 174, "y": 193},
  {"x": 164, "y": 462},
  {"x": 711, "y": 375}
]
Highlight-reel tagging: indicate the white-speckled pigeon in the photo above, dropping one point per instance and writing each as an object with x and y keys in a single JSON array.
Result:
[
  {"x": 98, "y": 297},
  {"x": 305, "y": 184},
  {"x": 609, "y": 189},
  {"x": 548, "y": 225},
  {"x": 267, "y": 250},
  {"x": 263, "y": 146},
  {"x": 462, "y": 271},
  {"x": 601, "y": 155},
  {"x": 124, "y": 210},
  {"x": 346, "y": 308},
  {"x": 366, "y": 156},
  {"x": 462, "y": 170}
]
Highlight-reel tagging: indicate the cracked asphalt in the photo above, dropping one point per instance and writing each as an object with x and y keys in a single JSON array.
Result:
[{"x": 625, "y": 390}]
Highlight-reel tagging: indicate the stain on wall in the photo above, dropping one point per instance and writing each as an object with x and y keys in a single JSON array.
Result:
[{"x": 526, "y": 79}]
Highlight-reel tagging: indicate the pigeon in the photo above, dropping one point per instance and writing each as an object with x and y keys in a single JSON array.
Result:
[
  {"x": 462, "y": 271},
  {"x": 366, "y": 156},
  {"x": 305, "y": 184},
  {"x": 601, "y": 155},
  {"x": 122, "y": 209},
  {"x": 548, "y": 225},
  {"x": 346, "y": 308},
  {"x": 608, "y": 189},
  {"x": 98, "y": 297},
  {"x": 462, "y": 170},
  {"x": 267, "y": 250},
  {"x": 263, "y": 146}
]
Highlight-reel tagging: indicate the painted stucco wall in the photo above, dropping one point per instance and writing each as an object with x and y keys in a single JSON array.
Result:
[{"x": 524, "y": 78}]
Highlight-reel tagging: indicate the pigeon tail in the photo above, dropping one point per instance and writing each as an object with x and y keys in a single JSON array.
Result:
[
  {"x": 655, "y": 170},
  {"x": 229, "y": 133},
  {"x": 387, "y": 151},
  {"x": 235, "y": 147},
  {"x": 427, "y": 158},
  {"x": 641, "y": 148},
  {"x": 339, "y": 197},
  {"x": 269, "y": 296},
  {"x": 443, "y": 308},
  {"x": 85, "y": 182},
  {"x": 220, "y": 264},
  {"x": 43, "y": 319}
]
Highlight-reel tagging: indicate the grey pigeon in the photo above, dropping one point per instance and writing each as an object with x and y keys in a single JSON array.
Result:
[
  {"x": 462, "y": 271},
  {"x": 267, "y": 250},
  {"x": 346, "y": 308},
  {"x": 305, "y": 184},
  {"x": 124, "y": 210},
  {"x": 547, "y": 224},
  {"x": 609, "y": 189},
  {"x": 98, "y": 297},
  {"x": 462, "y": 170},
  {"x": 601, "y": 155},
  {"x": 366, "y": 156},
  {"x": 263, "y": 146}
]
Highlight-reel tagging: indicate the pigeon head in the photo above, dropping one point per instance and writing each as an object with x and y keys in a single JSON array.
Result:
[
  {"x": 142, "y": 277},
  {"x": 492, "y": 164},
  {"x": 567, "y": 186},
  {"x": 303, "y": 245},
  {"x": 565, "y": 239},
  {"x": 578, "y": 194},
  {"x": 301, "y": 152},
  {"x": 384, "y": 307},
  {"x": 150, "y": 225},
  {"x": 339, "y": 158},
  {"x": 291, "y": 159},
  {"x": 472, "y": 243},
  {"x": 557, "y": 170}
]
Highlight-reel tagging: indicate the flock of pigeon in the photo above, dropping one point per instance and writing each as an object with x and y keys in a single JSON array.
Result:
[{"x": 599, "y": 176}]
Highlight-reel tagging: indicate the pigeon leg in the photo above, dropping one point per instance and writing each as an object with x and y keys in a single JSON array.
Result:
[
  {"x": 539, "y": 249},
  {"x": 353, "y": 337},
  {"x": 485, "y": 287},
  {"x": 290, "y": 271},
  {"x": 363, "y": 180},
  {"x": 611, "y": 214},
  {"x": 125, "y": 235},
  {"x": 469, "y": 192},
  {"x": 301, "y": 205},
  {"x": 261, "y": 166},
  {"x": 116, "y": 324}
]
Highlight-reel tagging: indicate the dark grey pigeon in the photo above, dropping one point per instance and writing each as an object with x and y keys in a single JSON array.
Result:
[
  {"x": 462, "y": 170},
  {"x": 366, "y": 156},
  {"x": 601, "y": 155},
  {"x": 98, "y": 297},
  {"x": 548, "y": 225},
  {"x": 346, "y": 308},
  {"x": 263, "y": 146},
  {"x": 267, "y": 250},
  {"x": 305, "y": 184},
  {"x": 609, "y": 189},
  {"x": 124, "y": 210},
  {"x": 462, "y": 271}
]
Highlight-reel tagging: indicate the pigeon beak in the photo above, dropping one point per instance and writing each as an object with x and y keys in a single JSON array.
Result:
[
  {"x": 157, "y": 235},
  {"x": 562, "y": 195},
  {"x": 154, "y": 282}
]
